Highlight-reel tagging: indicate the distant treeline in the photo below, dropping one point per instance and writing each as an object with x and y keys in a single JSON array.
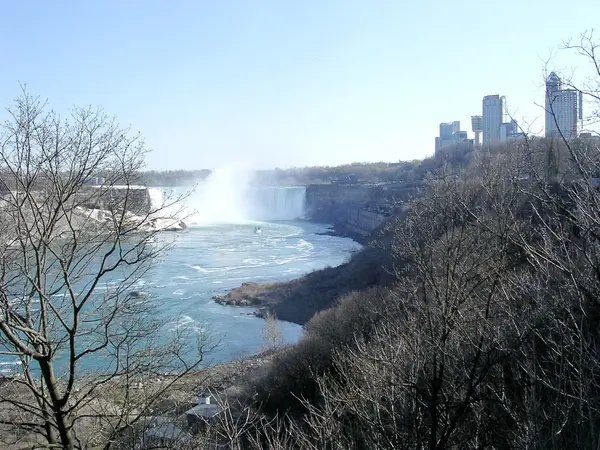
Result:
[
  {"x": 364, "y": 173},
  {"x": 174, "y": 177},
  {"x": 354, "y": 173},
  {"x": 379, "y": 172}
]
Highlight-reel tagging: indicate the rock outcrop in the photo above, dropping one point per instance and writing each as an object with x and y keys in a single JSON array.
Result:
[
  {"x": 297, "y": 300},
  {"x": 248, "y": 294}
]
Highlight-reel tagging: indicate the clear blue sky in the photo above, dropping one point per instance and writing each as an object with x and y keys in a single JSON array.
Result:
[{"x": 286, "y": 83}]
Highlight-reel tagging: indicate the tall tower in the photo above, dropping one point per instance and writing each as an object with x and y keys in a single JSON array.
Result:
[
  {"x": 563, "y": 108},
  {"x": 492, "y": 117},
  {"x": 553, "y": 83},
  {"x": 477, "y": 127}
]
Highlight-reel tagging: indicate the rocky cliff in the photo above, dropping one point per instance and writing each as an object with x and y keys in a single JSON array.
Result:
[
  {"x": 135, "y": 199},
  {"x": 356, "y": 210}
]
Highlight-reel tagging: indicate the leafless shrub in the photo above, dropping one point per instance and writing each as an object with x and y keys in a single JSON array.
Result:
[{"x": 272, "y": 335}]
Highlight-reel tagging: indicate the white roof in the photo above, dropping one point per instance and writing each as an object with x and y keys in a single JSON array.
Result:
[
  {"x": 162, "y": 428},
  {"x": 205, "y": 410}
]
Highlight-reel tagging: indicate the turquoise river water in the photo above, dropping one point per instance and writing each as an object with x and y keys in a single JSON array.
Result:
[{"x": 210, "y": 259}]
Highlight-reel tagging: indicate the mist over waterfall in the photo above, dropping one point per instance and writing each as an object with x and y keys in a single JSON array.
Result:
[
  {"x": 157, "y": 198},
  {"x": 276, "y": 203},
  {"x": 227, "y": 197}
]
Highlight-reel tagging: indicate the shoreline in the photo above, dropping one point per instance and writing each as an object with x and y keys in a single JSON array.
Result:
[
  {"x": 297, "y": 300},
  {"x": 339, "y": 230}
]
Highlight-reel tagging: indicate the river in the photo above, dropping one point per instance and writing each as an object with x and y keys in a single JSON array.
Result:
[{"x": 219, "y": 251}]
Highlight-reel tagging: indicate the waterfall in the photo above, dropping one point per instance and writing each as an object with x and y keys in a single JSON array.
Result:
[
  {"x": 157, "y": 198},
  {"x": 275, "y": 203},
  {"x": 226, "y": 196},
  {"x": 220, "y": 206}
]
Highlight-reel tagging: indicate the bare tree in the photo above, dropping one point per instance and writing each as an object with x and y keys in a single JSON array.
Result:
[
  {"x": 92, "y": 361},
  {"x": 272, "y": 335},
  {"x": 587, "y": 47},
  {"x": 562, "y": 363}
]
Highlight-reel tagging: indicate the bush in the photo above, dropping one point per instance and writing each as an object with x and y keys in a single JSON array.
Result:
[{"x": 294, "y": 372}]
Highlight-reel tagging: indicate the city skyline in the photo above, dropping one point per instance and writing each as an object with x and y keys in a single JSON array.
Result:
[
  {"x": 266, "y": 84},
  {"x": 563, "y": 118}
]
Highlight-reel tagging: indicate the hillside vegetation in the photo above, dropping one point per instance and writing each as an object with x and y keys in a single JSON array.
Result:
[{"x": 488, "y": 335}]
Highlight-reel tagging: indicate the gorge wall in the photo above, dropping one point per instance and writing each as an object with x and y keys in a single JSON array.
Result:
[
  {"x": 356, "y": 209},
  {"x": 135, "y": 199}
]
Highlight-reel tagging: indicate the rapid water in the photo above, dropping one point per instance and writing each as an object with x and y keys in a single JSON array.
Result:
[
  {"x": 211, "y": 260},
  {"x": 213, "y": 256}
]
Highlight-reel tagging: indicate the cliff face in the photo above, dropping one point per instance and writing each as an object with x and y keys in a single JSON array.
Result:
[
  {"x": 356, "y": 209},
  {"x": 135, "y": 199}
]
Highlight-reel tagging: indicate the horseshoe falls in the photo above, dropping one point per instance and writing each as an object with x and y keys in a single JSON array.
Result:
[{"x": 275, "y": 203}]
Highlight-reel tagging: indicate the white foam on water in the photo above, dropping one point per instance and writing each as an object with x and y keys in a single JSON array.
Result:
[
  {"x": 9, "y": 367},
  {"x": 281, "y": 262},
  {"x": 250, "y": 261},
  {"x": 240, "y": 278},
  {"x": 204, "y": 270},
  {"x": 10, "y": 363},
  {"x": 303, "y": 244},
  {"x": 180, "y": 322},
  {"x": 186, "y": 322}
]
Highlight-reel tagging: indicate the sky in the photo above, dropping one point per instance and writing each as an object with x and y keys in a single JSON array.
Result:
[{"x": 286, "y": 83}]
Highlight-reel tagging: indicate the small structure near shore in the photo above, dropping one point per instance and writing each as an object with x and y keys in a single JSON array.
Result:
[
  {"x": 204, "y": 411},
  {"x": 161, "y": 433}
]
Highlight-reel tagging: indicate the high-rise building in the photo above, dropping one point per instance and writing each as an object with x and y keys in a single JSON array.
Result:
[
  {"x": 562, "y": 108},
  {"x": 508, "y": 130},
  {"x": 447, "y": 129},
  {"x": 477, "y": 126},
  {"x": 450, "y": 135},
  {"x": 492, "y": 117}
]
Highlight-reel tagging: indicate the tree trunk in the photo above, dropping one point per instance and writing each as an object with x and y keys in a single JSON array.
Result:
[{"x": 58, "y": 404}]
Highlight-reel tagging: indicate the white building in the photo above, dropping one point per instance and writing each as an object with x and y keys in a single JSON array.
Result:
[
  {"x": 493, "y": 115},
  {"x": 450, "y": 136},
  {"x": 562, "y": 108}
]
